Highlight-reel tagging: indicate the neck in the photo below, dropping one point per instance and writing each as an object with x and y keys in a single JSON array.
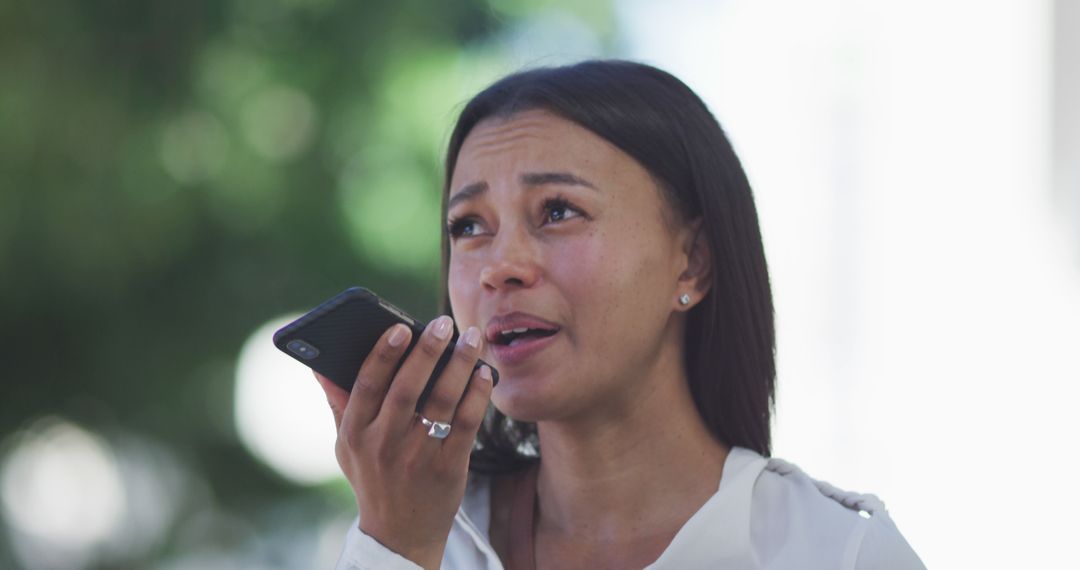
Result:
[{"x": 639, "y": 469}]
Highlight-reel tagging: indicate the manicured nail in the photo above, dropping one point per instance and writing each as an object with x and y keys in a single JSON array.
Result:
[
  {"x": 398, "y": 335},
  {"x": 472, "y": 337},
  {"x": 442, "y": 327},
  {"x": 485, "y": 373}
]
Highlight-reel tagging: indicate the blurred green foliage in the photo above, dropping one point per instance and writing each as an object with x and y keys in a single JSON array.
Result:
[{"x": 174, "y": 174}]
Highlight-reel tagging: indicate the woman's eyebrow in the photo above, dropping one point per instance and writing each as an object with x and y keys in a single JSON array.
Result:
[
  {"x": 467, "y": 193},
  {"x": 541, "y": 178},
  {"x": 475, "y": 189}
]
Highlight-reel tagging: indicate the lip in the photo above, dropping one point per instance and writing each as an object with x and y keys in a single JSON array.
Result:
[
  {"x": 522, "y": 350},
  {"x": 515, "y": 320}
]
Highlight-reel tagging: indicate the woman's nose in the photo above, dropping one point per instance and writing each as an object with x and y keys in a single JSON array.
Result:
[{"x": 512, "y": 263}]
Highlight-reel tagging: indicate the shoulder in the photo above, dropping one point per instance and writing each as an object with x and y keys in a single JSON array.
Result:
[{"x": 798, "y": 521}]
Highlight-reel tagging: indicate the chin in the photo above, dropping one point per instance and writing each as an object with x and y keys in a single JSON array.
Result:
[{"x": 524, "y": 400}]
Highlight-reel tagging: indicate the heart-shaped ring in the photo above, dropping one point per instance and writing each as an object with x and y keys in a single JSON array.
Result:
[{"x": 437, "y": 430}]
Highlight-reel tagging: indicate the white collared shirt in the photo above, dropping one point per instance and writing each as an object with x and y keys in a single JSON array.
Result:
[{"x": 766, "y": 514}]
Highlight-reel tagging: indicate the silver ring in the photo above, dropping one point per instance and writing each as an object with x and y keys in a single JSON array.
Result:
[{"x": 437, "y": 430}]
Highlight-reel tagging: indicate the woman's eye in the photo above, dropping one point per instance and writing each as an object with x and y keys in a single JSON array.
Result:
[
  {"x": 461, "y": 228},
  {"x": 559, "y": 210}
]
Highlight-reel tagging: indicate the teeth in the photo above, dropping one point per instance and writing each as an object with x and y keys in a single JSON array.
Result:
[{"x": 521, "y": 330}]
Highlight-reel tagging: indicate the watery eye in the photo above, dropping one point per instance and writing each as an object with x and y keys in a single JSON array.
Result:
[
  {"x": 559, "y": 210},
  {"x": 461, "y": 228}
]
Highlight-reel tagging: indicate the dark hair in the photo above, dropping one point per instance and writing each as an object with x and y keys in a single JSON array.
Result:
[{"x": 656, "y": 119}]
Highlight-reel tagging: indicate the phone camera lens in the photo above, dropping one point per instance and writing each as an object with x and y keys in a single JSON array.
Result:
[{"x": 302, "y": 349}]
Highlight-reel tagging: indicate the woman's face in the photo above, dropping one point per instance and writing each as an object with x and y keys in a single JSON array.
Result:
[{"x": 556, "y": 231}]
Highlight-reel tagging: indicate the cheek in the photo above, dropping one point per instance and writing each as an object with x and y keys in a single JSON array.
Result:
[
  {"x": 615, "y": 281},
  {"x": 599, "y": 272},
  {"x": 578, "y": 266},
  {"x": 462, "y": 286}
]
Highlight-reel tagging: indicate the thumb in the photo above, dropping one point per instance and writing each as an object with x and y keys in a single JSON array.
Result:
[{"x": 335, "y": 396}]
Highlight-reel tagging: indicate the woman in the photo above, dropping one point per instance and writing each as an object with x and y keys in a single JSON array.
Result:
[{"x": 603, "y": 252}]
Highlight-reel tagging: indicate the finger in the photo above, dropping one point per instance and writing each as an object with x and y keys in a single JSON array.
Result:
[
  {"x": 335, "y": 396},
  {"x": 450, "y": 385},
  {"x": 469, "y": 415},
  {"x": 399, "y": 408},
  {"x": 375, "y": 374}
]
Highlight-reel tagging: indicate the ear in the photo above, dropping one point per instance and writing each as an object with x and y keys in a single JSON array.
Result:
[{"x": 696, "y": 278}]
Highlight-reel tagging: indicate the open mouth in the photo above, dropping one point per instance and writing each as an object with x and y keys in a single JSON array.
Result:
[
  {"x": 518, "y": 337},
  {"x": 513, "y": 337}
]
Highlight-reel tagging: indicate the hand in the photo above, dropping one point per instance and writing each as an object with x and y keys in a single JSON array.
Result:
[{"x": 408, "y": 485}]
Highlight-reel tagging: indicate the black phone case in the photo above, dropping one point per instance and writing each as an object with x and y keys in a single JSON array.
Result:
[{"x": 346, "y": 328}]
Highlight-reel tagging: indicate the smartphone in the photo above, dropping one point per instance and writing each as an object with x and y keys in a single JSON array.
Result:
[{"x": 334, "y": 338}]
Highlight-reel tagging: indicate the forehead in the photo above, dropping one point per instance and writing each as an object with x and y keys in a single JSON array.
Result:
[
  {"x": 533, "y": 139},
  {"x": 504, "y": 151}
]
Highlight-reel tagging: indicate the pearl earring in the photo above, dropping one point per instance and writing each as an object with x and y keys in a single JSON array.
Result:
[{"x": 684, "y": 299}]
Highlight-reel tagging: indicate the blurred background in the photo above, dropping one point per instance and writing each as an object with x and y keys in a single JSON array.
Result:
[{"x": 178, "y": 179}]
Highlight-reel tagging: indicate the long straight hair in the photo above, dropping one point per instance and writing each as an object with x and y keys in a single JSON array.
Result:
[{"x": 663, "y": 125}]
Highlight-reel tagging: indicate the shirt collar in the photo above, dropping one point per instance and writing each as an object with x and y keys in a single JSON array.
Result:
[{"x": 718, "y": 534}]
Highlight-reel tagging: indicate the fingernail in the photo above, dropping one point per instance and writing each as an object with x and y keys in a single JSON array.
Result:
[
  {"x": 398, "y": 336},
  {"x": 485, "y": 373},
  {"x": 442, "y": 327},
  {"x": 472, "y": 337}
]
